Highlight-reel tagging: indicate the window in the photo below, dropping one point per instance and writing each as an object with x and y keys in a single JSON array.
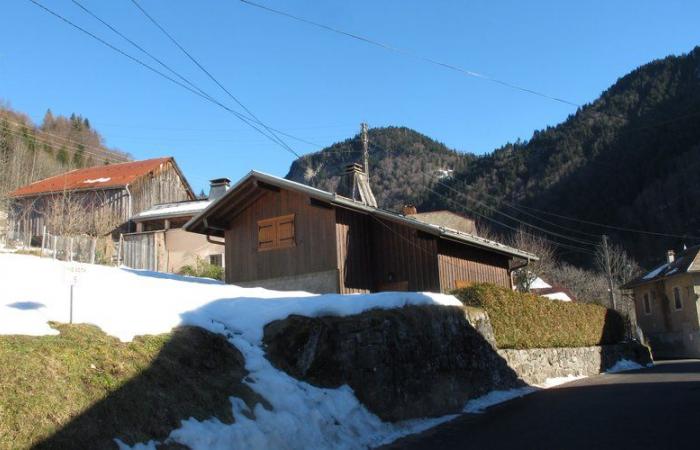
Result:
[
  {"x": 647, "y": 304},
  {"x": 216, "y": 260},
  {"x": 677, "y": 298},
  {"x": 276, "y": 233}
]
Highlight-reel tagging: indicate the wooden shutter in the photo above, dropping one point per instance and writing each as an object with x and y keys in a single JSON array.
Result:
[{"x": 276, "y": 233}]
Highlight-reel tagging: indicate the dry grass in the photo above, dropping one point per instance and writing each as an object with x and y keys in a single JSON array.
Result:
[
  {"x": 528, "y": 321},
  {"x": 82, "y": 388}
]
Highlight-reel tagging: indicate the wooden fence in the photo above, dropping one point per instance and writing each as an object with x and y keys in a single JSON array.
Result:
[{"x": 140, "y": 250}]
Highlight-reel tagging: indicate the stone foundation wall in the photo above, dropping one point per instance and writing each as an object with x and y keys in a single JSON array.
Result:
[
  {"x": 421, "y": 361},
  {"x": 535, "y": 365}
]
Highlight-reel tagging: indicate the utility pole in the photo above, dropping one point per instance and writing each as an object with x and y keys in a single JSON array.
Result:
[
  {"x": 608, "y": 271},
  {"x": 365, "y": 147}
]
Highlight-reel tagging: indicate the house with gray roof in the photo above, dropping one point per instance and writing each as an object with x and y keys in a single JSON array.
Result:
[
  {"x": 666, "y": 304},
  {"x": 284, "y": 235}
]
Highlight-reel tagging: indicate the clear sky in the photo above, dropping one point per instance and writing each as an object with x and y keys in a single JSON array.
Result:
[{"x": 319, "y": 86}]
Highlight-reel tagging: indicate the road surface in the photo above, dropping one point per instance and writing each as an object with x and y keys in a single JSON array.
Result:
[{"x": 657, "y": 408}]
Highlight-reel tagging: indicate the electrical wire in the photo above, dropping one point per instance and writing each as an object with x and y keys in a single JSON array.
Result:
[
  {"x": 412, "y": 54},
  {"x": 156, "y": 71}
]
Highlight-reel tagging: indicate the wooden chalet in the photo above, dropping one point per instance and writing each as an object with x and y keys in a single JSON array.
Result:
[
  {"x": 280, "y": 234},
  {"x": 121, "y": 190}
]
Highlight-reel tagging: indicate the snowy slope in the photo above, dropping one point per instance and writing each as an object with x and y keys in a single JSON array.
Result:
[{"x": 126, "y": 303}]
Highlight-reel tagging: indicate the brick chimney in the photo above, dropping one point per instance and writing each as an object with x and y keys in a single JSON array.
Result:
[
  {"x": 670, "y": 256},
  {"x": 218, "y": 187},
  {"x": 354, "y": 184},
  {"x": 409, "y": 210}
]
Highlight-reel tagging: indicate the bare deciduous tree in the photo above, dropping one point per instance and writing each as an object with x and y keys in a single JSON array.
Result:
[{"x": 540, "y": 247}]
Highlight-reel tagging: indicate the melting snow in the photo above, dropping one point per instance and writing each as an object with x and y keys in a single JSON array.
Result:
[
  {"x": 97, "y": 180},
  {"x": 126, "y": 303}
]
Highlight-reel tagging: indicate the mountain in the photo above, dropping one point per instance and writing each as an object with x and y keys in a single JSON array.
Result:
[
  {"x": 630, "y": 159},
  {"x": 30, "y": 152},
  {"x": 404, "y": 165}
]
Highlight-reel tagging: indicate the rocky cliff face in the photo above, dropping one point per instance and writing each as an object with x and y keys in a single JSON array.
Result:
[{"x": 403, "y": 363}]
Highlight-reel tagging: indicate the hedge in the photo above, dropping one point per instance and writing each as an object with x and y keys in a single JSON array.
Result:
[{"x": 522, "y": 320}]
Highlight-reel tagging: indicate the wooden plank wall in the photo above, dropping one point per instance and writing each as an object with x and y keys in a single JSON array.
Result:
[
  {"x": 163, "y": 186},
  {"x": 27, "y": 214},
  {"x": 139, "y": 250},
  {"x": 314, "y": 249},
  {"x": 410, "y": 256},
  {"x": 354, "y": 251},
  {"x": 470, "y": 264}
]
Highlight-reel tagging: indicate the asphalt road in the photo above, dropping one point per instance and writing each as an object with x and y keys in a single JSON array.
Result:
[{"x": 657, "y": 408}]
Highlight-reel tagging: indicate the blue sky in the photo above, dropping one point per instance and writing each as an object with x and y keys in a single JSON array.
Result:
[{"x": 319, "y": 86}]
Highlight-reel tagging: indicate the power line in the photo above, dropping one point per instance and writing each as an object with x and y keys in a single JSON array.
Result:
[
  {"x": 111, "y": 154},
  {"x": 203, "y": 69},
  {"x": 490, "y": 219},
  {"x": 412, "y": 54},
  {"x": 612, "y": 227},
  {"x": 522, "y": 222},
  {"x": 73, "y": 150},
  {"x": 156, "y": 71}
]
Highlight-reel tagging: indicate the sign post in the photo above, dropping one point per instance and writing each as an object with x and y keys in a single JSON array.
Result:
[{"x": 74, "y": 271}]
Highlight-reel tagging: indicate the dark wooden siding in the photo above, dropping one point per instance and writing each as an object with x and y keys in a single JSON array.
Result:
[
  {"x": 403, "y": 254},
  {"x": 164, "y": 185},
  {"x": 354, "y": 251},
  {"x": 459, "y": 262},
  {"x": 314, "y": 249}
]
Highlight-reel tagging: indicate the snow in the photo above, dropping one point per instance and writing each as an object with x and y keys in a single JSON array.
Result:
[
  {"x": 479, "y": 405},
  {"x": 624, "y": 365},
  {"x": 655, "y": 272},
  {"x": 557, "y": 381},
  {"x": 539, "y": 283},
  {"x": 126, "y": 303},
  {"x": 97, "y": 180},
  {"x": 175, "y": 208},
  {"x": 154, "y": 303},
  {"x": 561, "y": 296}
]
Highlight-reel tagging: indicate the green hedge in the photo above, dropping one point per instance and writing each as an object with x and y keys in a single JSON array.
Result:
[{"x": 527, "y": 321}]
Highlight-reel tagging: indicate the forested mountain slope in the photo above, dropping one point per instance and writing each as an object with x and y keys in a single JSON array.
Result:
[
  {"x": 30, "y": 152},
  {"x": 631, "y": 159},
  {"x": 403, "y": 164}
]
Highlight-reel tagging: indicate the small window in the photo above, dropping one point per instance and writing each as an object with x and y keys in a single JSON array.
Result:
[
  {"x": 216, "y": 260},
  {"x": 647, "y": 304},
  {"x": 276, "y": 233},
  {"x": 677, "y": 298}
]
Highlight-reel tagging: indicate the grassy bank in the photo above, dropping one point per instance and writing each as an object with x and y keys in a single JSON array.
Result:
[
  {"x": 522, "y": 320},
  {"x": 82, "y": 388}
]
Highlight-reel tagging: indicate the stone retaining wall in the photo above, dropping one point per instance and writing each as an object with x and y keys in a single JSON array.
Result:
[
  {"x": 420, "y": 361},
  {"x": 536, "y": 365}
]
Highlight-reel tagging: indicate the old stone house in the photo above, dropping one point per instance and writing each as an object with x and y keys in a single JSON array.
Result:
[
  {"x": 285, "y": 235},
  {"x": 667, "y": 306}
]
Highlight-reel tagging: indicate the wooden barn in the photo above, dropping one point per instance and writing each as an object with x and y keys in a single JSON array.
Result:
[
  {"x": 284, "y": 235},
  {"x": 115, "y": 192}
]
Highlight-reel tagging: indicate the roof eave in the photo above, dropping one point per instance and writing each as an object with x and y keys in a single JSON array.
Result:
[{"x": 196, "y": 222}]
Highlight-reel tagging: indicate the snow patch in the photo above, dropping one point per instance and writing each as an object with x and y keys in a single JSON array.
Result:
[
  {"x": 624, "y": 365},
  {"x": 97, "y": 180},
  {"x": 479, "y": 405},
  {"x": 561, "y": 296},
  {"x": 126, "y": 303},
  {"x": 557, "y": 381}
]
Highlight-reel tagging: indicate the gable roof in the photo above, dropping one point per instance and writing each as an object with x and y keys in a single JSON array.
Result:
[
  {"x": 685, "y": 262},
  {"x": 248, "y": 188},
  {"x": 97, "y": 177}
]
